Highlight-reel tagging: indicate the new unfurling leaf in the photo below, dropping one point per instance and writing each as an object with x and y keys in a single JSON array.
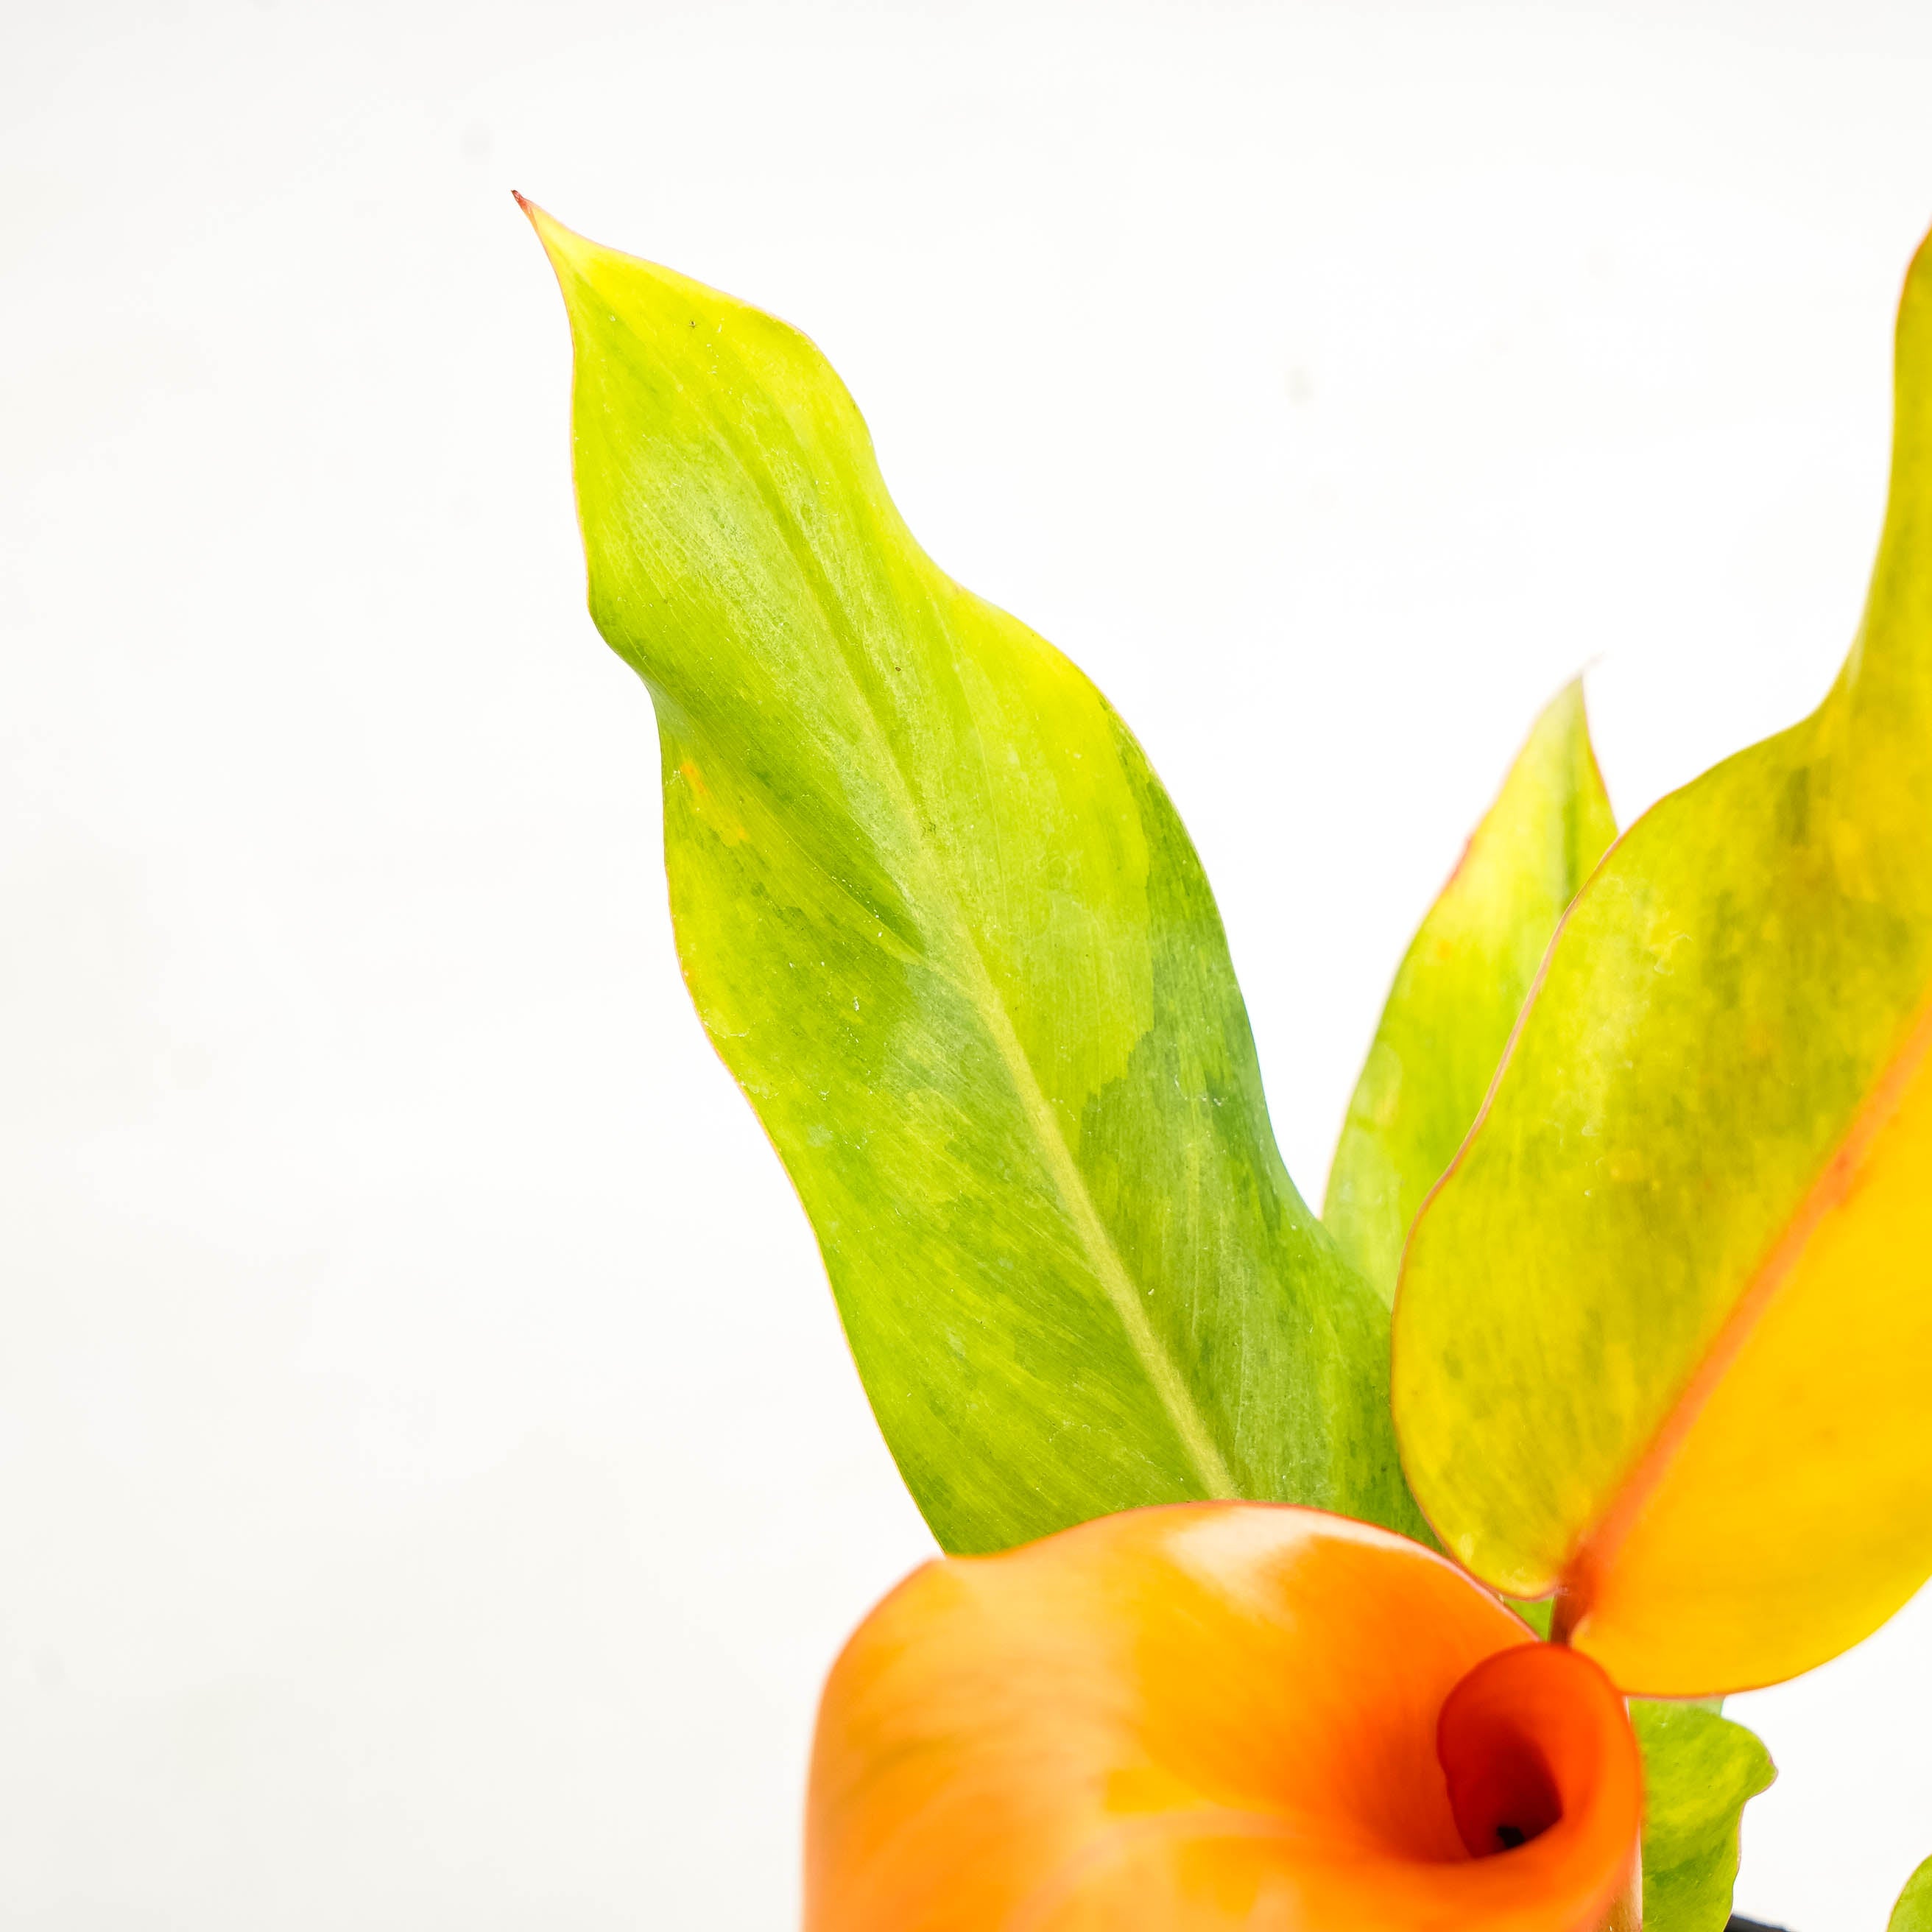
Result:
[{"x": 1209, "y": 1717}]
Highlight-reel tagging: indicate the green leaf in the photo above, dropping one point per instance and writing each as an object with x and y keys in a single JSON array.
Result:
[
  {"x": 1913, "y": 1912},
  {"x": 1460, "y": 987},
  {"x": 941, "y": 921},
  {"x": 1664, "y": 1332},
  {"x": 1700, "y": 1771}
]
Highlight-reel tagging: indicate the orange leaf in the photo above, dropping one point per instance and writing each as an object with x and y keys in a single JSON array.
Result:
[{"x": 1212, "y": 1715}]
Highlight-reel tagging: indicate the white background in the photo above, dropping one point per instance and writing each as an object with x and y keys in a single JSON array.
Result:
[{"x": 432, "y": 1482}]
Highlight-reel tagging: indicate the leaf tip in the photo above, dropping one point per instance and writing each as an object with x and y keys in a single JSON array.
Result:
[{"x": 564, "y": 246}]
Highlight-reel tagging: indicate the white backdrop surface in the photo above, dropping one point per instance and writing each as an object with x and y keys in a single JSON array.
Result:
[{"x": 432, "y": 1481}]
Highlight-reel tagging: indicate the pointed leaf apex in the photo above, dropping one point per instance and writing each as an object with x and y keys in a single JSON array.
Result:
[{"x": 565, "y": 247}]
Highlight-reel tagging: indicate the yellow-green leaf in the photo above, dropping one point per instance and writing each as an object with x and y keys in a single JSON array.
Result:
[
  {"x": 940, "y": 920},
  {"x": 1700, "y": 1771},
  {"x": 1663, "y": 1337},
  {"x": 1460, "y": 986},
  {"x": 1913, "y": 1912}
]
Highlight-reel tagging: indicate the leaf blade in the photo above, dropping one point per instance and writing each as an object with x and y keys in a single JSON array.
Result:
[
  {"x": 941, "y": 921},
  {"x": 1662, "y": 1334},
  {"x": 1460, "y": 986},
  {"x": 1913, "y": 1911}
]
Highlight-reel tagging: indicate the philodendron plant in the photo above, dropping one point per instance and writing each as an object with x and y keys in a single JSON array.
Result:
[{"x": 1369, "y": 1573}]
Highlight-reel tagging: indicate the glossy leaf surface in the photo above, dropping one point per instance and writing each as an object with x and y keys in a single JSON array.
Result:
[
  {"x": 1913, "y": 1912},
  {"x": 1664, "y": 1334},
  {"x": 1700, "y": 1771},
  {"x": 1211, "y": 1717},
  {"x": 1460, "y": 986},
  {"x": 941, "y": 921}
]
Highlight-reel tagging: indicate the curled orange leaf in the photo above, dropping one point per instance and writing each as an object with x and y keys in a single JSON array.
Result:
[{"x": 1212, "y": 1715}]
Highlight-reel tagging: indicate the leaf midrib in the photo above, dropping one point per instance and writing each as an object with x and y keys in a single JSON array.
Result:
[{"x": 1597, "y": 1550}]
